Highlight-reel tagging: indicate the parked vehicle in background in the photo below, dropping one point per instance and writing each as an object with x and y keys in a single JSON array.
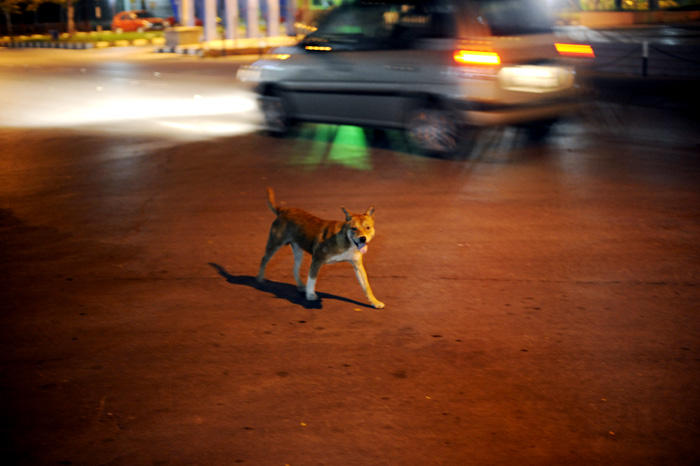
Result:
[
  {"x": 138, "y": 21},
  {"x": 173, "y": 21},
  {"x": 433, "y": 68}
]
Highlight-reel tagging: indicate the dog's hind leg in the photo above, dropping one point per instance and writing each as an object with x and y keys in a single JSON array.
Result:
[
  {"x": 272, "y": 247},
  {"x": 298, "y": 257}
]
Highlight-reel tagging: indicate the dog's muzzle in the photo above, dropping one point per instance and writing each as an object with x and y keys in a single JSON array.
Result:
[{"x": 361, "y": 244}]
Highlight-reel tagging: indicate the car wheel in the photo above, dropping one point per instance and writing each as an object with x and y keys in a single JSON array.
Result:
[
  {"x": 276, "y": 115},
  {"x": 118, "y": 30},
  {"x": 539, "y": 130},
  {"x": 436, "y": 131},
  {"x": 377, "y": 137}
]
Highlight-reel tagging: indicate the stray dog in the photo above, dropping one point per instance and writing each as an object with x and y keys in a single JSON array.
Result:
[{"x": 327, "y": 241}]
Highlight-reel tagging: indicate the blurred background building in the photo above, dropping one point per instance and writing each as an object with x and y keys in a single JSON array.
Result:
[{"x": 40, "y": 16}]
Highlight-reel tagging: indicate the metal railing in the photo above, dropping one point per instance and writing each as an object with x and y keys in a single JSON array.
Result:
[{"x": 646, "y": 59}]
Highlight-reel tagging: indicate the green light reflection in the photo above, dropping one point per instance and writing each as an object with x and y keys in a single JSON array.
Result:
[{"x": 341, "y": 145}]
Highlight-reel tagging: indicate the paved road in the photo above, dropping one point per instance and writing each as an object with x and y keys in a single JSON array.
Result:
[{"x": 541, "y": 299}]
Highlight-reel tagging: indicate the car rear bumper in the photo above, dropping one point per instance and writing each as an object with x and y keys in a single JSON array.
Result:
[{"x": 487, "y": 114}]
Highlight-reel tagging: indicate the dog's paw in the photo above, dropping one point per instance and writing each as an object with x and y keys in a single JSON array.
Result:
[
  {"x": 311, "y": 297},
  {"x": 378, "y": 305}
]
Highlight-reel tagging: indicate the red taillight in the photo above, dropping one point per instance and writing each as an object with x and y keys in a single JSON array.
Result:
[
  {"x": 476, "y": 57},
  {"x": 575, "y": 50}
]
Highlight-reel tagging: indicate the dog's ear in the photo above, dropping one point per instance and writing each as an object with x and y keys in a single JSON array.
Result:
[
  {"x": 370, "y": 211},
  {"x": 348, "y": 215}
]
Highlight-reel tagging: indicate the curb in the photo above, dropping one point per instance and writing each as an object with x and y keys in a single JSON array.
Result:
[
  {"x": 198, "y": 50},
  {"x": 46, "y": 44},
  {"x": 201, "y": 50},
  {"x": 180, "y": 49},
  {"x": 50, "y": 45},
  {"x": 222, "y": 48}
]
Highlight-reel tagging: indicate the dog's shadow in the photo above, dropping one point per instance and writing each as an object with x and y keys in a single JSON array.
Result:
[{"x": 281, "y": 290}]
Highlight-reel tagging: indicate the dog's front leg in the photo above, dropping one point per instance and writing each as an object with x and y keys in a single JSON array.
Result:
[
  {"x": 311, "y": 281},
  {"x": 364, "y": 282}
]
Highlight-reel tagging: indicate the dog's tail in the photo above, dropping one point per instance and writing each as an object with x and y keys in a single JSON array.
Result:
[{"x": 271, "y": 201}]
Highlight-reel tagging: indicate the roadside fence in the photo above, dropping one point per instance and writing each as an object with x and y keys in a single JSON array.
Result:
[{"x": 647, "y": 59}]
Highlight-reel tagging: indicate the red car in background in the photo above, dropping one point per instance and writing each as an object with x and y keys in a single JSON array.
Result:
[
  {"x": 173, "y": 22},
  {"x": 130, "y": 21}
]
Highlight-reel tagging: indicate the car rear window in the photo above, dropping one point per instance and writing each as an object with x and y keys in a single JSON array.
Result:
[
  {"x": 384, "y": 24},
  {"x": 513, "y": 17},
  {"x": 145, "y": 14},
  {"x": 387, "y": 24}
]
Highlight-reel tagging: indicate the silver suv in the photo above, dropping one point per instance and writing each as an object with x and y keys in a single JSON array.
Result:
[{"x": 433, "y": 68}]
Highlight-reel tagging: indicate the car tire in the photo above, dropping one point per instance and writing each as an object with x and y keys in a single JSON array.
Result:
[
  {"x": 539, "y": 130},
  {"x": 377, "y": 137},
  {"x": 436, "y": 131},
  {"x": 275, "y": 112}
]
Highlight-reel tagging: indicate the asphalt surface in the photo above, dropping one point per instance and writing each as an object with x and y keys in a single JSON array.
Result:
[{"x": 541, "y": 299}]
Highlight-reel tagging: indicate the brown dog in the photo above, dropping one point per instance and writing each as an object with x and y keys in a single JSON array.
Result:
[{"x": 327, "y": 241}]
